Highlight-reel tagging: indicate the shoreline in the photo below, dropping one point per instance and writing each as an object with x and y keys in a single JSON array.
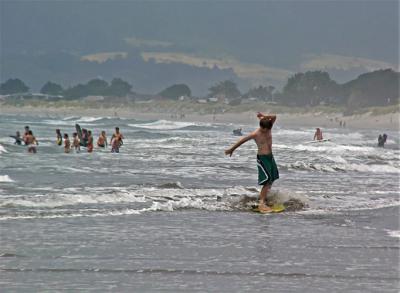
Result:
[{"x": 390, "y": 121}]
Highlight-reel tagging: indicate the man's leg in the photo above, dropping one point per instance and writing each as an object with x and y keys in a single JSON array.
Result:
[{"x": 263, "y": 196}]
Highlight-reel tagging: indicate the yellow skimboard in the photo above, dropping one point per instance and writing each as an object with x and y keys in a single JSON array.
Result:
[{"x": 276, "y": 208}]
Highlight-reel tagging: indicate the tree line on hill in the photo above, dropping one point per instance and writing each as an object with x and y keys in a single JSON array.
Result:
[{"x": 311, "y": 88}]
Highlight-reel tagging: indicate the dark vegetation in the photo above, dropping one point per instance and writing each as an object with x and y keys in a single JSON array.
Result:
[{"x": 312, "y": 88}]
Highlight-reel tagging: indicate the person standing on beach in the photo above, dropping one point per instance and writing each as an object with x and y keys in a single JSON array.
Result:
[{"x": 267, "y": 169}]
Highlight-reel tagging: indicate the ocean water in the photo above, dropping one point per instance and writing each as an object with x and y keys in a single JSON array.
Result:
[{"x": 171, "y": 212}]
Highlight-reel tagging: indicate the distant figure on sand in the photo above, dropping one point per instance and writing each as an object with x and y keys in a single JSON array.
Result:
[
  {"x": 102, "y": 140},
  {"x": 31, "y": 142},
  {"x": 318, "y": 134},
  {"x": 59, "y": 137},
  {"x": 76, "y": 142},
  {"x": 67, "y": 144},
  {"x": 267, "y": 169}
]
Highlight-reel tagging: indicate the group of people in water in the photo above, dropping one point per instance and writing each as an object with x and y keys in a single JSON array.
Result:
[
  {"x": 28, "y": 139},
  {"x": 82, "y": 139}
]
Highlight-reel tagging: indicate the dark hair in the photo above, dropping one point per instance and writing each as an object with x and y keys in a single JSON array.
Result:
[
  {"x": 116, "y": 128},
  {"x": 30, "y": 132},
  {"x": 65, "y": 135},
  {"x": 266, "y": 123}
]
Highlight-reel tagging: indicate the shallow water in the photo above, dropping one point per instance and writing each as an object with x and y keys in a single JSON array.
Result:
[{"x": 167, "y": 213}]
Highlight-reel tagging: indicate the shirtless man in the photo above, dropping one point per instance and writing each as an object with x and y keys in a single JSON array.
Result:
[
  {"x": 118, "y": 135},
  {"x": 102, "y": 140},
  {"x": 318, "y": 134},
  {"x": 267, "y": 169}
]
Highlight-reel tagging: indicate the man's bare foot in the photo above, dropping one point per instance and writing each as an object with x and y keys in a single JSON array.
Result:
[{"x": 264, "y": 209}]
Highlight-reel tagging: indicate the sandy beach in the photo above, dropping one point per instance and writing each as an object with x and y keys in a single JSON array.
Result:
[{"x": 390, "y": 121}]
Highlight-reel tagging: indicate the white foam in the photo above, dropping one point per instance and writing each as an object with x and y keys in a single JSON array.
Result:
[
  {"x": 71, "y": 118},
  {"x": 342, "y": 167},
  {"x": 163, "y": 125},
  {"x": 73, "y": 215},
  {"x": 5, "y": 178},
  {"x": 51, "y": 201},
  {"x": 394, "y": 233},
  {"x": 89, "y": 119},
  {"x": 2, "y": 149},
  {"x": 336, "y": 159},
  {"x": 346, "y": 203},
  {"x": 58, "y": 122}
]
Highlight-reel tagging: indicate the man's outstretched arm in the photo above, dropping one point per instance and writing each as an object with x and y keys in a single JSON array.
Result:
[{"x": 239, "y": 143}]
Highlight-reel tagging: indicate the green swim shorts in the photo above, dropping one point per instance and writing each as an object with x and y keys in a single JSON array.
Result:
[{"x": 267, "y": 169}]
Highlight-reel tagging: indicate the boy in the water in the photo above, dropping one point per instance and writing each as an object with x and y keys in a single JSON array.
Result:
[
  {"x": 31, "y": 142},
  {"x": 318, "y": 134},
  {"x": 89, "y": 142},
  {"x": 76, "y": 142},
  {"x": 267, "y": 169},
  {"x": 102, "y": 140},
  {"x": 67, "y": 144}
]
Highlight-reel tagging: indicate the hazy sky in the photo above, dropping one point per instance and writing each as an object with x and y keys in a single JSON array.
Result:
[{"x": 270, "y": 37}]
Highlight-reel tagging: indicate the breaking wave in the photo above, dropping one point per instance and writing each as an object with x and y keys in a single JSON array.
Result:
[
  {"x": 5, "y": 178},
  {"x": 341, "y": 167}
]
